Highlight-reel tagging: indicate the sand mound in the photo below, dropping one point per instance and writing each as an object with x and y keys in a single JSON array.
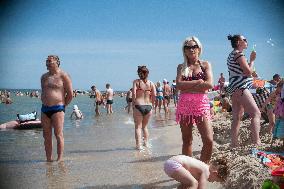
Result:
[{"x": 246, "y": 171}]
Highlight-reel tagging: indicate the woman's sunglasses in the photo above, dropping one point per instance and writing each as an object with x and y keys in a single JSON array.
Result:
[
  {"x": 245, "y": 40},
  {"x": 191, "y": 47}
]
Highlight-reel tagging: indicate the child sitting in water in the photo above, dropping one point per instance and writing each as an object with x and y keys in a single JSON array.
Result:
[
  {"x": 193, "y": 173},
  {"x": 78, "y": 114}
]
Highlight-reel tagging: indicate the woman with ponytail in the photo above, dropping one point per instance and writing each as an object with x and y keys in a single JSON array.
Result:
[
  {"x": 143, "y": 95},
  {"x": 240, "y": 80},
  {"x": 194, "y": 79}
]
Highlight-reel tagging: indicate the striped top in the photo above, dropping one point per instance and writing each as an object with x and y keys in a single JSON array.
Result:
[{"x": 237, "y": 79}]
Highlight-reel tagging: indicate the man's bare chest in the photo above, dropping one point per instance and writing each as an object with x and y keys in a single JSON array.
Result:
[{"x": 53, "y": 82}]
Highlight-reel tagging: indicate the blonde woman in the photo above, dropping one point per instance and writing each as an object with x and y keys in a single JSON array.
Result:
[{"x": 194, "y": 79}]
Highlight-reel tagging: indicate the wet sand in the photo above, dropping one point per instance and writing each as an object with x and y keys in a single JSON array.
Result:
[{"x": 98, "y": 156}]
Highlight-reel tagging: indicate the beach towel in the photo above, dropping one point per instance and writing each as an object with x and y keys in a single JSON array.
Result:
[
  {"x": 272, "y": 160},
  {"x": 278, "y": 172}
]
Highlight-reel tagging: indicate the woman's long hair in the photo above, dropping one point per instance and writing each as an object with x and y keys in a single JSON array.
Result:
[{"x": 185, "y": 69}]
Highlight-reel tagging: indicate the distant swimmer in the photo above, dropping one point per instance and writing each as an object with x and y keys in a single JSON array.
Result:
[{"x": 57, "y": 93}]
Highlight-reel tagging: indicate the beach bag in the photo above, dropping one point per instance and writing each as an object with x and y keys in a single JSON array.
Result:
[
  {"x": 27, "y": 117},
  {"x": 278, "y": 131}
]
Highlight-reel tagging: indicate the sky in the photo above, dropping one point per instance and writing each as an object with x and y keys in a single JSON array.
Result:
[{"x": 103, "y": 41}]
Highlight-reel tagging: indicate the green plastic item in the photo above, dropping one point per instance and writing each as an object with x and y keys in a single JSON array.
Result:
[{"x": 268, "y": 184}]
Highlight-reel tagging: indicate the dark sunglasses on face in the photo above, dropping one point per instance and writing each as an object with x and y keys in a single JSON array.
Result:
[
  {"x": 245, "y": 40},
  {"x": 191, "y": 47}
]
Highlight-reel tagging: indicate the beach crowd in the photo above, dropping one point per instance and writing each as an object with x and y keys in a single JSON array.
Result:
[{"x": 195, "y": 100}]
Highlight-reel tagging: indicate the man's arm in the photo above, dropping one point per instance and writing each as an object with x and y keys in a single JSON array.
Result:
[
  {"x": 42, "y": 88},
  {"x": 67, "y": 89}
]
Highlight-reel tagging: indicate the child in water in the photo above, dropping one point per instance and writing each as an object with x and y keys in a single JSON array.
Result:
[
  {"x": 78, "y": 114},
  {"x": 193, "y": 173}
]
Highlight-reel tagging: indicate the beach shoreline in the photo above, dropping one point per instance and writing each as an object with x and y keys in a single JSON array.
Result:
[{"x": 100, "y": 152}]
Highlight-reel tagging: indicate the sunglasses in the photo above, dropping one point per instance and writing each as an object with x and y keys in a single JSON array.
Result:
[
  {"x": 50, "y": 62},
  {"x": 191, "y": 47},
  {"x": 245, "y": 40}
]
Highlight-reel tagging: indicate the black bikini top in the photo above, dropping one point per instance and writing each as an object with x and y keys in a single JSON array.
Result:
[{"x": 199, "y": 75}]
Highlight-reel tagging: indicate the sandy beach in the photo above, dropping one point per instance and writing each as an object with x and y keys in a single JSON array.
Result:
[
  {"x": 100, "y": 153},
  {"x": 246, "y": 171}
]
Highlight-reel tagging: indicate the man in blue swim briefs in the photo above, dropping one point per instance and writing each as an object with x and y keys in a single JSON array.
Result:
[{"x": 56, "y": 94}]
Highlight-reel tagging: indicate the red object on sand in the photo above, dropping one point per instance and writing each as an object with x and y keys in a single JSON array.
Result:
[{"x": 278, "y": 172}]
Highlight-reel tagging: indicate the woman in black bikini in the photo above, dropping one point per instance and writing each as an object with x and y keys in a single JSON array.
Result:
[{"x": 143, "y": 96}]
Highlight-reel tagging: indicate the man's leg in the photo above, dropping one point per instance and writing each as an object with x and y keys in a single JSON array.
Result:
[
  {"x": 47, "y": 135},
  {"x": 58, "y": 123}
]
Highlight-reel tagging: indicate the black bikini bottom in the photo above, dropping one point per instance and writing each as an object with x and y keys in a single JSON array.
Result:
[{"x": 144, "y": 109}]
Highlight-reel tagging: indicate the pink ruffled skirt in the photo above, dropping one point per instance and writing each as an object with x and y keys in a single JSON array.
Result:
[{"x": 192, "y": 106}]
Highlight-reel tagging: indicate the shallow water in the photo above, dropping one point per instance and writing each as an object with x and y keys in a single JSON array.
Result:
[{"x": 99, "y": 151}]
